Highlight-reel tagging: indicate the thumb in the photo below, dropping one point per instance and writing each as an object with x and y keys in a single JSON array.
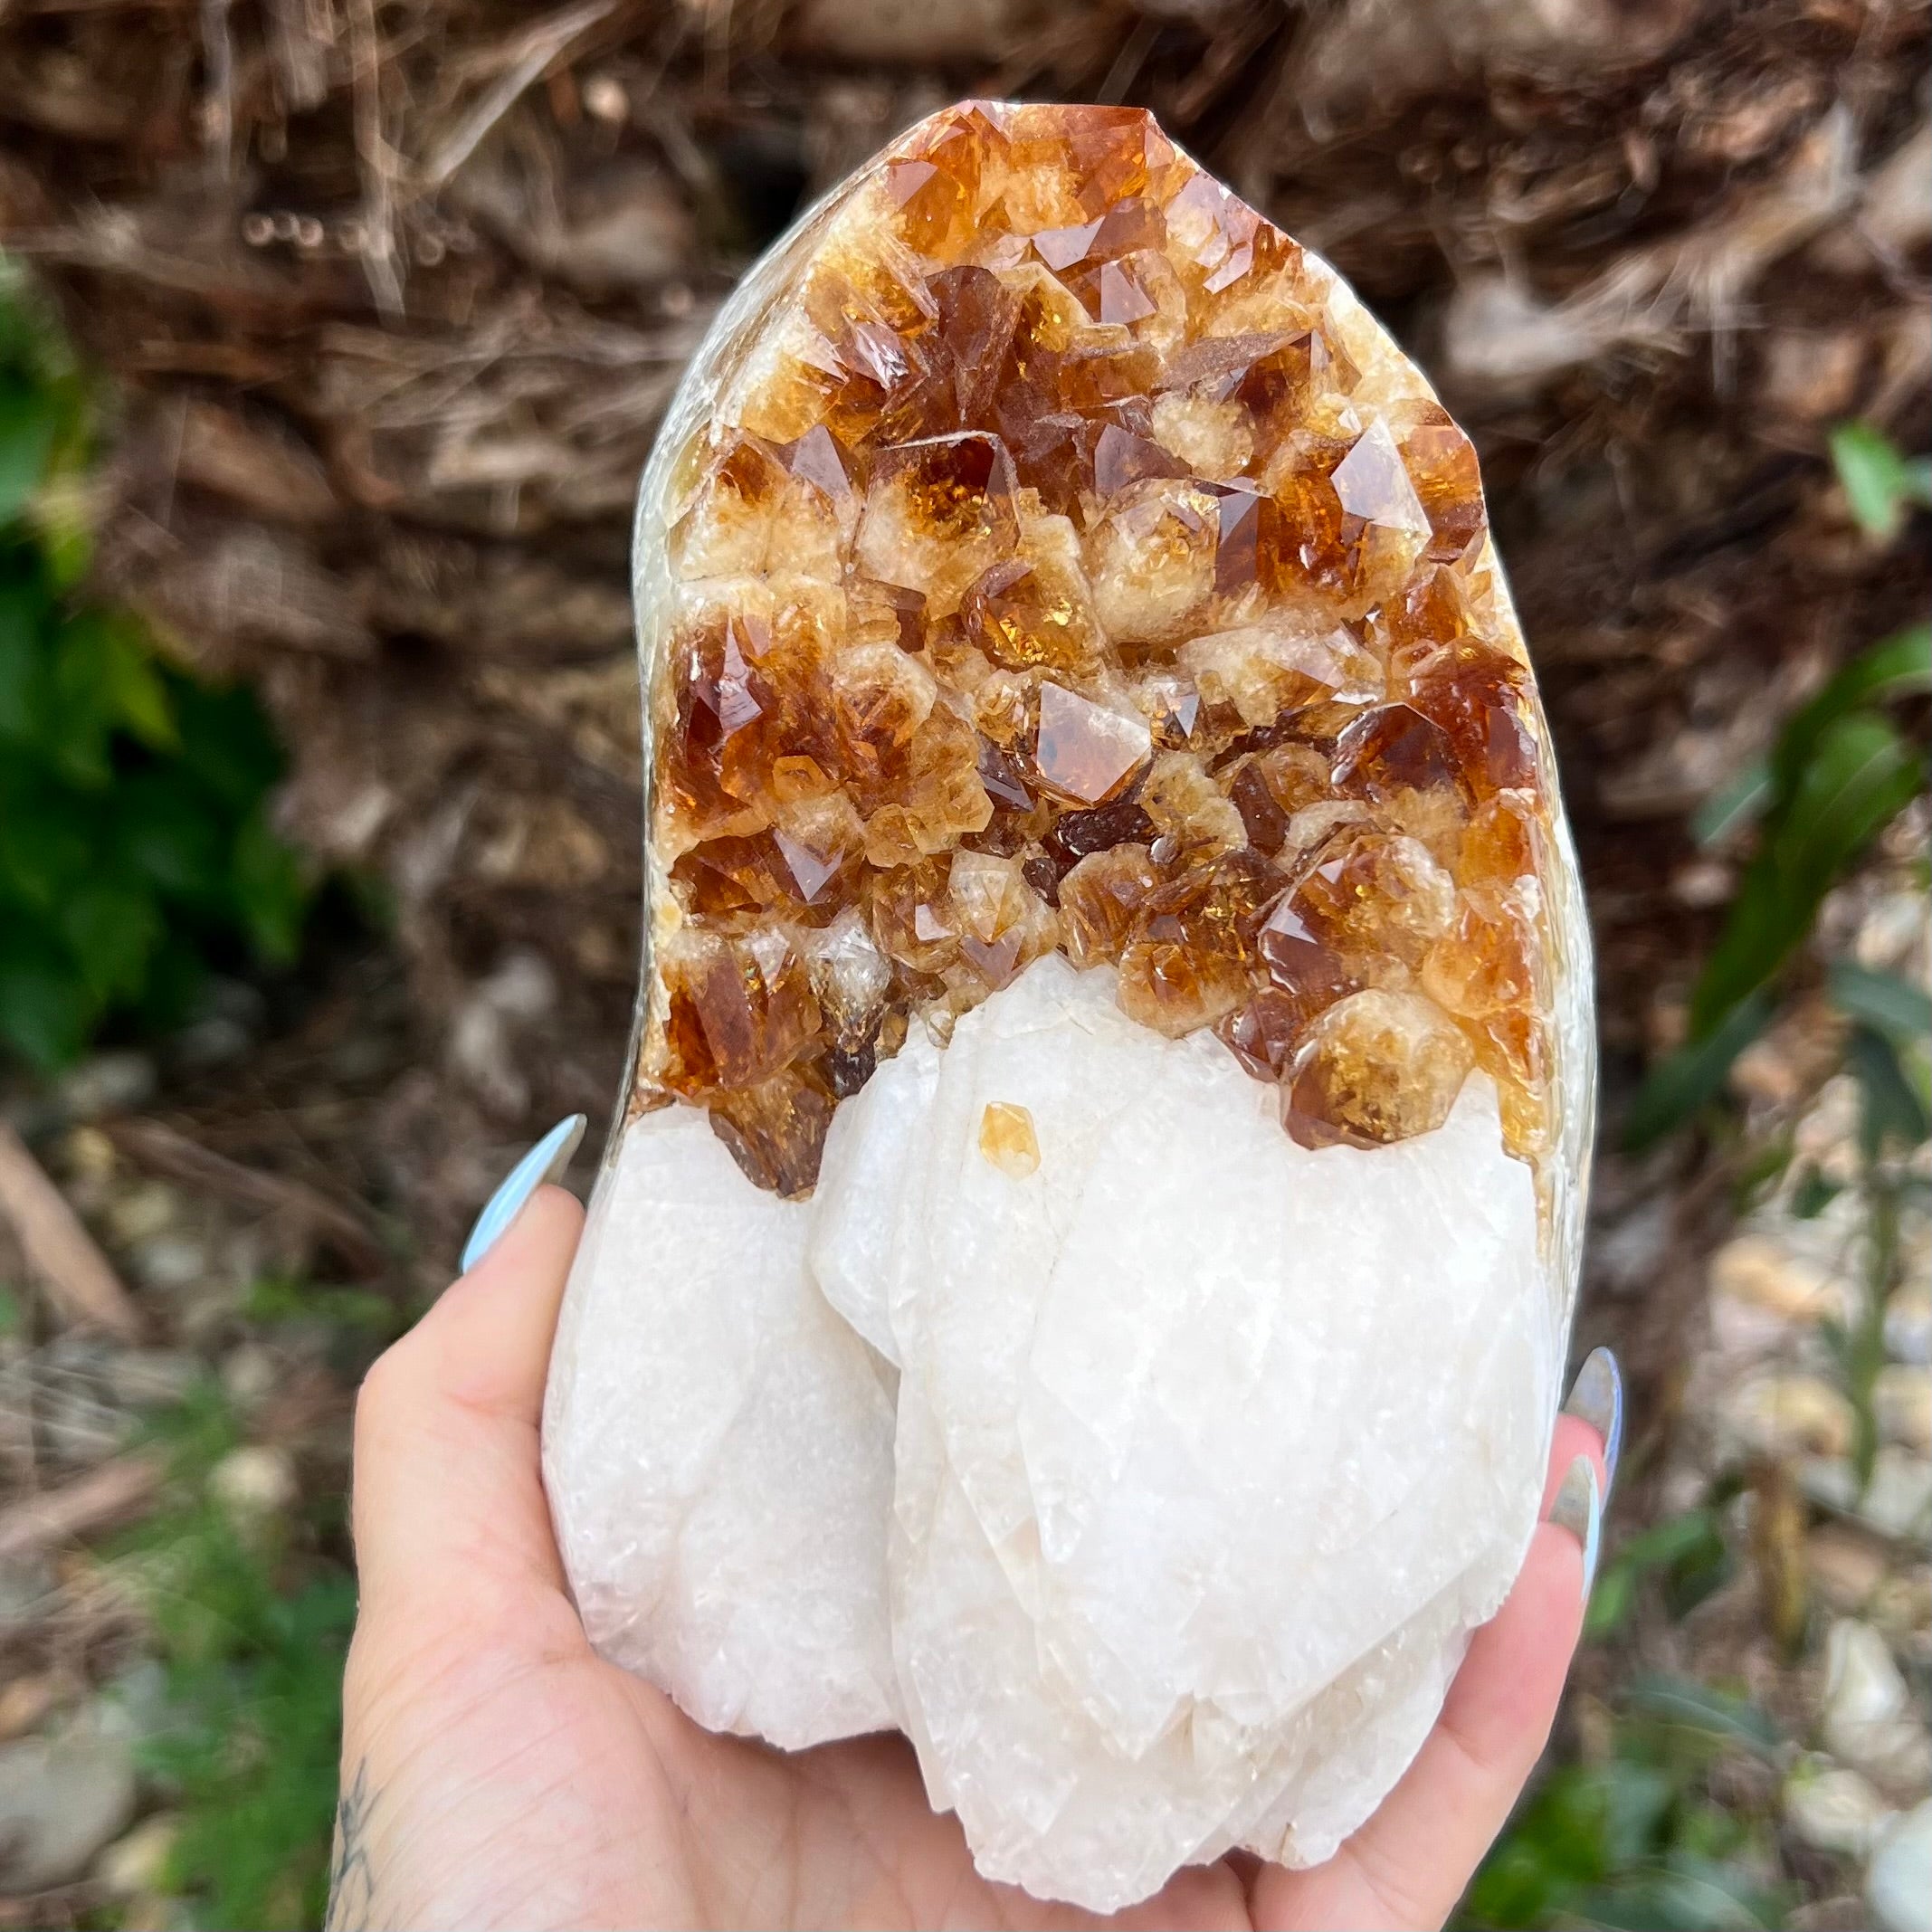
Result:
[{"x": 449, "y": 1513}]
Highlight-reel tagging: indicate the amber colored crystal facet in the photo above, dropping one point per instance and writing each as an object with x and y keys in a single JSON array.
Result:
[{"x": 1052, "y": 575}]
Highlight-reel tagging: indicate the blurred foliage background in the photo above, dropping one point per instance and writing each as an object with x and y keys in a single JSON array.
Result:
[
  {"x": 134, "y": 836},
  {"x": 332, "y": 338}
]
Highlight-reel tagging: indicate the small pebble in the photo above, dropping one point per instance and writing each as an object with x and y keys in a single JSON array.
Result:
[
  {"x": 1832, "y": 1809},
  {"x": 1899, "y": 1884},
  {"x": 108, "y": 1083},
  {"x": 62, "y": 1798},
  {"x": 1866, "y": 1720},
  {"x": 1790, "y": 1415},
  {"x": 169, "y": 1261},
  {"x": 249, "y": 1375},
  {"x": 137, "y": 1861},
  {"x": 1908, "y": 1325},
  {"x": 141, "y": 1212},
  {"x": 1846, "y": 1566},
  {"x": 1902, "y": 1398},
  {"x": 1760, "y": 1269},
  {"x": 254, "y": 1481}
]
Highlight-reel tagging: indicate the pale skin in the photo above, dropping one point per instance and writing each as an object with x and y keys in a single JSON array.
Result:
[{"x": 498, "y": 1773}]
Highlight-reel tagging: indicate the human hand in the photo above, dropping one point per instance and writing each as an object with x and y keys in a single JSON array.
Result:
[{"x": 497, "y": 1772}]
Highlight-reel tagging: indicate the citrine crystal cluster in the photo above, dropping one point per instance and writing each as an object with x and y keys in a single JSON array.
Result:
[
  {"x": 1056, "y": 572},
  {"x": 1083, "y": 1269}
]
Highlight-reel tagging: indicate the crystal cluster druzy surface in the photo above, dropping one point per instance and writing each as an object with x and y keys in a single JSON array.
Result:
[{"x": 1113, "y": 1080}]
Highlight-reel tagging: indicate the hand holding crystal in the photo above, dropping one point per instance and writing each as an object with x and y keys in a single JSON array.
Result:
[{"x": 498, "y": 1772}]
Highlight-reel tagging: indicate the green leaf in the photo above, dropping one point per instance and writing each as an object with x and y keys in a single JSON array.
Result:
[
  {"x": 1704, "y": 1895},
  {"x": 226, "y": 743},
  {"x": 79, "y": 720},
  {"x": 1859, "y": 774},
  {"x": 1689, "y": 1550},
  {"x": 1742, "y": 801},
  {"x": 1813, "y": 1194},
  {"x": 50, "y": 842},
  {"x": 46, "y": 1011},
  {"x": 272, "y": 889},
  {"x": 1896, "y": 667},
  {"x": 1684, "y": 1704},
  {"x": 173, "y": 837},
  {"x": 22, "y": 663},
  {"x": 176, "y": 976},
  {"x": 1891, "y": 1106},
  {"x": 133, "y": 687},
  {"x": 1693, "y": 1075},
  {"x": 30, "y": 417},
  {"x": 1895, "y": 1006},
  {"x": 112, "y": 931},
  {"x": 1876, "y": 479}
]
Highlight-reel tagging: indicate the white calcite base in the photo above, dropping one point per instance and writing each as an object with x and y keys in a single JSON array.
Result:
[
  {"x": 718, "y": 1451},
  {"x": 1210, "y": 1450}
]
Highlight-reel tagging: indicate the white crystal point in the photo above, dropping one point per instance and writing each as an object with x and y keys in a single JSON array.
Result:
[
  {"x": 1212, "y": 1449},
  {"x": 869, "y": 1155},
  {"x": 718, "y": 1450}
]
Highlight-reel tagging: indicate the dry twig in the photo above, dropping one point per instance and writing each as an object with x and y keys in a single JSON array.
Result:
[
  {"x": 89, "y": 1502},
  {"x": 158, "y": 1147},
  {"x": 78, "y": 1277}
]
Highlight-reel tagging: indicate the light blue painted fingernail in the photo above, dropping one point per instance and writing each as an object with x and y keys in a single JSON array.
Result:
[
  {"x": 1596, "y": 1397},
  {"x": 1580, "y": 1509},
  {"x": 545, "y": 1162}
]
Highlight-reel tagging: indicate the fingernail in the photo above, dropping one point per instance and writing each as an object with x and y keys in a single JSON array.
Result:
[
  {"x": 544, "y": 1162},
  {"x": 1579, "y": 1510},
  {"x": 1596, "y": 1397}
]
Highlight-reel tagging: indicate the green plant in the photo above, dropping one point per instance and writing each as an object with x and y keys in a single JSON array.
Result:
[
  {"x": 1881, "y": 485},
  {"x": 1841, "y": 770},
  {"x": 1685, "y": 1555},
  {"x": 1634, "y": 1837},
  {"x": 357, "y": 1311},
  {"x": 135, "y": 845},
  {"x": 1890, "y": 1053},
  {"x": 252, "y": 1632}
]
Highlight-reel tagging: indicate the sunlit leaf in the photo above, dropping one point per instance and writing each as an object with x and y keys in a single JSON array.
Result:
[
  {"x": 1877, "y": 480},
  {"x": 133, "y": 687}
]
